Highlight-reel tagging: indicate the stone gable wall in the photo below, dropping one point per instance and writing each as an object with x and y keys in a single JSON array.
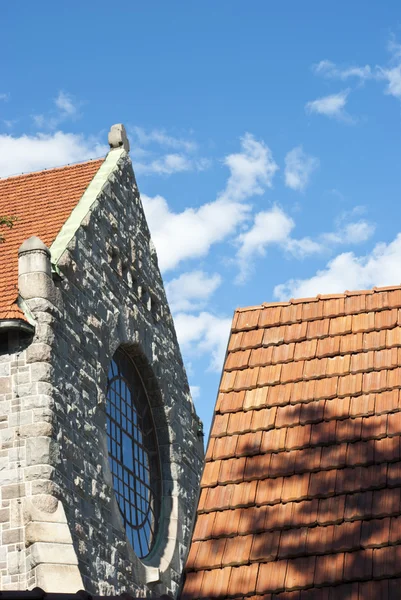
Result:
[{"x": 60, "y": 518}]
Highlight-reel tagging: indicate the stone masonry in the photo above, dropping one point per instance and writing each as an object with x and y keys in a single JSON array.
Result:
[{"x": 60, "y": 524}]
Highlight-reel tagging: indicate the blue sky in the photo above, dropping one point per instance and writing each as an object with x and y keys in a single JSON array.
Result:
[{"x": 265, "y": 138}]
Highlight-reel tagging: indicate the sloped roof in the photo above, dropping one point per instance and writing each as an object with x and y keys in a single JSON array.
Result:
[
  {"x": 41, "y": 202},
  {"x": 301, "y": 491}
]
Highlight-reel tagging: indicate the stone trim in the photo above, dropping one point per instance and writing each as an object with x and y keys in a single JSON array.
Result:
[{"x": 68, "y": 230}]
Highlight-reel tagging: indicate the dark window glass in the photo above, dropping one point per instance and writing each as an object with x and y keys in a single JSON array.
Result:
[{"x": 133, "y": 453}]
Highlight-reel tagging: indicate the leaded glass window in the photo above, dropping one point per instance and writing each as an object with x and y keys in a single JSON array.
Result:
[{"x": 133, "y": 453}]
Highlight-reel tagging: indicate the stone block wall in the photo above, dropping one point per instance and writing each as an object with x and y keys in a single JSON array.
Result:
[{"x": 60, "y": 524}]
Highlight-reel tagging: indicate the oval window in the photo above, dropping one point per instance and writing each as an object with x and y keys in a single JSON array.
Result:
[{"x": 133, "y": 453}]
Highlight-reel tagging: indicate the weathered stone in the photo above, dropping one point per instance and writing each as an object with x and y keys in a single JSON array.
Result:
[
  {"x": 47, "y": 532},
  {"x": 59, "y": 578}
]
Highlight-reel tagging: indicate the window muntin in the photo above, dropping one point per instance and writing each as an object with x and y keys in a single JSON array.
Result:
[{"x": 133, "y": 453}]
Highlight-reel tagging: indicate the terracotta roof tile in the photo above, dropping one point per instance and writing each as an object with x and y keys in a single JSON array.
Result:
[
  {"x": 42, "y": 202},
  {"x": 305, "y": 478}
]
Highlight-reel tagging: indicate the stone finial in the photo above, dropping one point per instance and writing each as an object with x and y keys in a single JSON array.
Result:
[
  {"x": 34, "y": 269},
  {"x": 118, "y": 137}
]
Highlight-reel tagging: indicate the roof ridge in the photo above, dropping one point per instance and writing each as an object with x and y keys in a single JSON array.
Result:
[
  {"x": 50, "y": 169},
  {"x": 345, "y": 294}
]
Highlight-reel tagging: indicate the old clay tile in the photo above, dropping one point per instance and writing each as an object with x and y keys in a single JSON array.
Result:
[
  {"x": 279, "y": 395},
  {"x": 210, "y": 475},
  {"x": 393, "y": 378},
  {"x": 231, "y": 471},
  {"x": 251, "y": 339},
  {"x": 350, "y": 385},
  {"x": 263, "y": 419},
  {"x": 279, "y": 516},
  {"x": 337, "y": 408},
  {"x": 210, "y": 448},
  {"x": 375, "y": 340},
  {"x": 235, "y": 342},
  {"x": 295, "y": 487},
  {"x": 268, "y": 375},
  {"x": 334, "y": 456},
  {"x": 387, "y": 359},
  {"x": 256, "y": 398},
  {"x": 300, "y": 572},
  {"x": 308, "y": 459},
  {"x": 228, "y": 380},
  {"x": 237, "y": 550},
  {"x": 349, "y": 430},
  {"x": 283, "y": 353},
  {"x": 375, "y": 381},
  {"x": 219, "y": 497},
  {"x": 394, "y": 474},
  {"x": 237, "y": 360},
  {"x": 224, "y": 447},
  {"x": 239, "y": 422},
  {"x": 375, "y": 533},
  {"x": 312, "y": 412},
  {"x": 288, "y": 415},
  {"x": 190, "y": 564},
  {"x": 271, "y": 576},
  {"x": 282, "y": 463},
  {"x": 393, "y": 337},
  {"x": 265, "y": 546},
  {"x": 347, "y": 536},
  {"x": 387, "y": 449},
  {"x": 231, "y": 402},
  {"x": 315, "y": 368},
  {"x": 351, "y": 343},
  {"x": 192, "y": 585},
  {"x": 273, "y": 440},
  {"x": 386, "y": 502},
  {"x": 270, "y": 316},
  {"x": 269, "y": 491},
  {"x": 360, "y": 453},
  {"x": 395, "y": 530},
  {"x": 363, "y": 322},
  {"x": 333, "y": 307},
  {"x": 327, "y": 388},
  {"x": 322, "y": 483},
  {"x": 244, "y": 494},
  {"x": 295, "y": 332},
  {"x": 247, "y": 319},
  {"x": 358, "y": 565},
  {"x": 209, "y": 554},
  {"x": 243, "y": 578},
  {"x": 355, "y": 303},
  {"x": 386, "y": 319},
  {"x": 340, "y": 325},
  {"x": 273, "y": 336},
  {"x": 204, "y": 526},
  {"x": 246, "y": 379},
  {"x": 318, "y": 329},
  {"x": 387, "y": 401},
  {"x": 305, "y": 350},
  {"x": 214, "y": 583},
  {"x": 293, "y": 542},
  {"x": 362, "y": 406},
  {"x": 331, "y": 510},
  {"x": 374, "y": 427},
  {"x": 384, "y": 561},
  {"x": 329, "y": 346},
  {"x": 323, "y": 433},
  {"x": 329, "y": 568},
  {"x": 292, "y": 371},
  {"x": 312, "y": 310},
  {"x": 394, "y": 297},
  {"x": 337, "y": 365},
  {"x": 219, "y": 426},
  {"x": 248, "y": 444},
  {"x": 298, "y": 437},
  {"x": 292, "y": 313},
  {"x": 362, "y": 362},
  {"x": 320, "y": 539},
  {"x": 226, "y": 522},
  {"x": 261, "y": 356}
]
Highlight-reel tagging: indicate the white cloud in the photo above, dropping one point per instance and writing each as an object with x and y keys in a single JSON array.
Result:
[
  {"x": 65, "y": 104},
  {"x": 271, "y": 227},
  {"x": 195, "y": 391},
  {"x": 160, "y": 137},
  {"x": 331, "y": 70},
  {"x": 190, "y": 291},
  {"x": 169, "y": 164},
  {"x": 392, "y": 74},
  {"x": 349, "y": 272},
  {"x": 190, "y": 233},
  {"x": 299, "y": 168},
  {"x": 331, "y": 106},
  {"x": 352, "y": 233},
  {"x": 203, "y": 334},
  {"x": 31, "y": 153}
]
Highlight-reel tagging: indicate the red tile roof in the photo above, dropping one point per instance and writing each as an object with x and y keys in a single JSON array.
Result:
[
  {"x": 41, "y": 202},
  {"x": 301, "y": 490}
]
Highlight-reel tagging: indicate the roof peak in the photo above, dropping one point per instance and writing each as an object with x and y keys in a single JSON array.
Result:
[
  {"x": 345, "y": 294},
  {"x": 52, "y": 169}
]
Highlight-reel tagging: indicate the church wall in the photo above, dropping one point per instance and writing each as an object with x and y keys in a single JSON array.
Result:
[{"x": 109, "y": 292}]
